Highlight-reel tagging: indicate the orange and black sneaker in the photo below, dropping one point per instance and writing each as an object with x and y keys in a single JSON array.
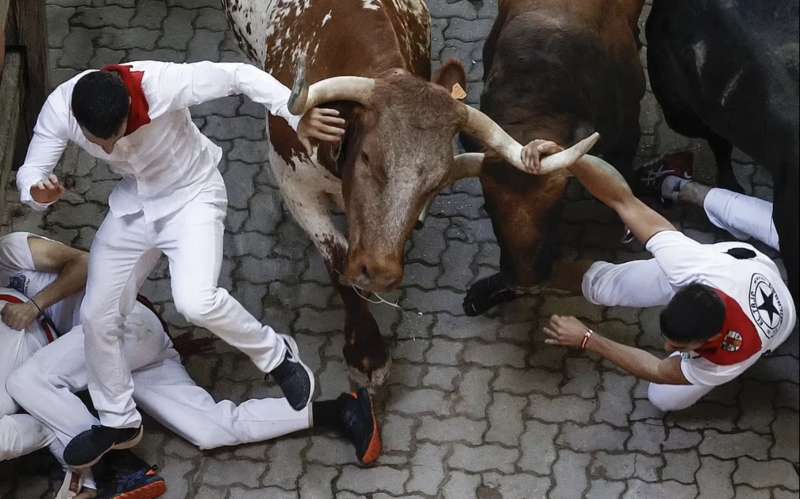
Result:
[
  {"x": 141, "y": 484},
  {"x": 361, "y": 426}
]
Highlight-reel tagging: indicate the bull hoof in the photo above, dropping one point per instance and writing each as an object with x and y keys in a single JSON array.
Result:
[
  {"x": 487, "y": 294},
  {"x": 372, "y": 380},
  {"x": 368, "y": 367}
]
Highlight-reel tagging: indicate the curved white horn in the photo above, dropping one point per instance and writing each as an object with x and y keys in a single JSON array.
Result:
[
  {"x": 568, "y": 157},
  {"x": 466, "y": 165},
  {"x": 347, "y": 88},
  {"x": 494, "y": 137}
]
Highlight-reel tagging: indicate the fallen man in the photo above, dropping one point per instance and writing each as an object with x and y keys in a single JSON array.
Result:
[
  {"x": 726, "y": 303},
  {"x": 46, "y": 383},
  {"x": 670, "y": 179},
  {"x": 171, "y": 200}
]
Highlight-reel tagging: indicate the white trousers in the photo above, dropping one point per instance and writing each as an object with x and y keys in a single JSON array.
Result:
[
  {"x": 123, "y": 253},
  {"x": 743, "y": 216},
  {"x": 46, "y": 383},
  {"x": 640, "y": 284},
  {"x": 20, "y": 434}
]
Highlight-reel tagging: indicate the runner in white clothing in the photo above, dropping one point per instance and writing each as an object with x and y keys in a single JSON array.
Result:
[
  {"x": 44, "y": 377},
  {"x": 670, "y": 178},
  {"x": 726, "y": 304},
  {"x": 171, "y": 200}
]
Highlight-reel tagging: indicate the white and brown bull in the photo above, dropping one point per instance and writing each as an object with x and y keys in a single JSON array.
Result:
[{"x": 370, "y": 59}]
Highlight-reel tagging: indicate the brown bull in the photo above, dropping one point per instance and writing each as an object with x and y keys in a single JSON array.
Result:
[
  {"x": 556, "y": 70},
  {"x": 397, "y": 152}
]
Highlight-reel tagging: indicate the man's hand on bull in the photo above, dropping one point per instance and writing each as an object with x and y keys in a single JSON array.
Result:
[
  {"x": 535, "y": 151},
  {"x": 322, "y": 124},
  {"x": 48, "y": 190}
]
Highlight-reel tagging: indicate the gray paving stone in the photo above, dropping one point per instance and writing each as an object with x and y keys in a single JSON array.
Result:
[
  {"x": 714, "y": 478},
  {"x": 681, "y": 466},
  {"x": 760, "y": 474},
  {"x": 483, "y": 458},
  {"x": 603, "y": 489},
  {"x": 409, "y": 402},
  {"x": 523, "y": 381},
  {"x": 460, "y": 485},
  {"x": 729, "y": 445},
  {"x": 229, "y": 472},
  {"x": 364, "y": 481},
  {"x": 427, "y": 470},
  {"x": 570, "y": 474},
  {"x": 786, "y": 434},
  {"x": 517, "y": 486},
  {"x": 505, "y": 419},
  {"x": 472, "y": 397},
  {"x": 451, "y": 429},
  {"x": 559, "y": 409},
  {"x": 583, "y": 378},
  {"x": 647, "y": 437},
  {"x": 440, "y": 377},
  {"x": 495, "y": 354},
  {"x": 662, "y": 490},
  {"x": 444, "y": 352},
  {"x": 614, "y": 400},
  {"x": 592, "y": 437}
]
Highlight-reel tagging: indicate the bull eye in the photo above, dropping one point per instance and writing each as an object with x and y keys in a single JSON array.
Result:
[{"x": 364, "y": 157}]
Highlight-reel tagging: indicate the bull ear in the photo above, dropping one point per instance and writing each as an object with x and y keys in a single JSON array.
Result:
[{"x": 452, "y": 77}]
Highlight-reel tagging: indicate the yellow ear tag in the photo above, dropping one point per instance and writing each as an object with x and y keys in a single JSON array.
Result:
[{"x": 457, "y": 92}]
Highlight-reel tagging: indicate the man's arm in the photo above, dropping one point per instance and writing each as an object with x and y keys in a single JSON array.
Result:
[
  {"x": 184, "y": 85},
  {"x": 570, "y": 332},
  {"x": 606, "y": 184},
  {"x": 38, "y": 187},
  {"x": 49, "y": 256}
]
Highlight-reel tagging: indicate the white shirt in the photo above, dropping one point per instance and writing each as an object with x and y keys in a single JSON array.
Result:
[
  {"x": 18, "y": 272},
  {"x": 167, "y": 162},
  {"x": 760, "y": 311}
]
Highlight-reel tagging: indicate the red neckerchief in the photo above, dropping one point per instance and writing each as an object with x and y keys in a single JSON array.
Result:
[
  {"x": 139, "y": 110},
  {"x": 738, "y": 339}
]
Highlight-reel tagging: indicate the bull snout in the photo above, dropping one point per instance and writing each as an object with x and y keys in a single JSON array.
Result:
[{"x": 373, "y": 274}]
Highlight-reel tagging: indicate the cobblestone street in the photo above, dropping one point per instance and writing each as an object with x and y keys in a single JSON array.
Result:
[{"x": 474, "y": 407}]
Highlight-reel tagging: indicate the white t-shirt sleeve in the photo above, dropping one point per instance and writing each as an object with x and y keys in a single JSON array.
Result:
[
  {"x": 702, "y": 372},
  {"x": 15, "y": 253},
  {"x": 682, "y": 259}
]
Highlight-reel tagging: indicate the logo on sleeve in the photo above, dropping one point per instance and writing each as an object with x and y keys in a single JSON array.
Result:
[
  {"x": 732, "y": 341},
  {"x": 19, "y": 283},
  {"x": 765, "y": 306}
]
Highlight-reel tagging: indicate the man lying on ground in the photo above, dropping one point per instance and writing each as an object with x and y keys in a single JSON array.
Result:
[
  {"x": 670, "y": 179},
  {"x": 45, "y": 384},
  {"x": 726, "y": 304}
]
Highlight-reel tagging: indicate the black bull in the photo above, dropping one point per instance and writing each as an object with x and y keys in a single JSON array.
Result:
[{"x": 727, "y": 71}]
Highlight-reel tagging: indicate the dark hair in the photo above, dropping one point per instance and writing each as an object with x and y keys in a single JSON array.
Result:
[
  {"x": 695, "y": 313},
  {"x": 100, "y": 103}
]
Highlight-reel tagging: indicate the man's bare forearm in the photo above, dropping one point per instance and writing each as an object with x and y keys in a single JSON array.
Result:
[
  {"x": 636, "y": 361},
  {"x": 602, "y": 180},
  {"x": 71, "y": 279}
]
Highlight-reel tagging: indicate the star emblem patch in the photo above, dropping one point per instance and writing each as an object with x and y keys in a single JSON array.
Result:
[{"x": 765, "y": 306}]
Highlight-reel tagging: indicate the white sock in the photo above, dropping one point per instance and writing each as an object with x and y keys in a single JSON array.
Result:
[{"x": 671, "y": 186}]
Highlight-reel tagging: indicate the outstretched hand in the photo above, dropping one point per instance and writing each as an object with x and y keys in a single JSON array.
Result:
[
  {"x": 535, "y": 151},
  {"x": 321, "y": 124},
  {"x": 48, "y": 190},
  {"x": 565, "y": 331}
]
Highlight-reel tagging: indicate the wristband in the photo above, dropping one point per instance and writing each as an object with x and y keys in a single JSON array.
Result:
[
  {"x": 588, "y": 334},
  {"x": 37, "y": 307}
]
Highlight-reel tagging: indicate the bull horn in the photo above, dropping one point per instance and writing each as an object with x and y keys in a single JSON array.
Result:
[
  {"x": 466, "y": 165},
  {"x": 494, "y": 137},
  {"x": 346, "y": 88}
]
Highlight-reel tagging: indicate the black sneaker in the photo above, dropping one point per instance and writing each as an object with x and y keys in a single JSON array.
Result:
[
  {"x": 295, "y": 378},
  {"x": 651, "y": 175},
  {"x": 87, "y": 448},
  {"x": 141, "y": 484},
  {"x": 360, "y": 425}
]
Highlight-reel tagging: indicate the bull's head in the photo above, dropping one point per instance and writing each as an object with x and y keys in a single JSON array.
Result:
[{"x": 398, "y": 155}]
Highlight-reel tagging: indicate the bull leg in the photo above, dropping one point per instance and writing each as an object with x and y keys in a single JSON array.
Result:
[
  {"x": 522, "y": 208},
  {"x": 364, "y": 350}
]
